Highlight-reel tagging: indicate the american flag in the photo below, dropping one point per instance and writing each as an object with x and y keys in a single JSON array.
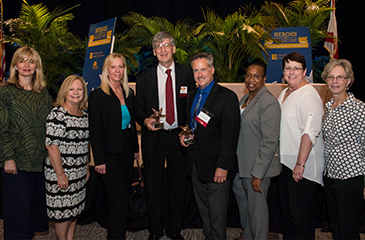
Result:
[{"x": 331, "y": 44}]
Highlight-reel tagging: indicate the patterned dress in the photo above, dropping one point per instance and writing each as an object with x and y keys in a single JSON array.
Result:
[{"x": 71, "y": 135}]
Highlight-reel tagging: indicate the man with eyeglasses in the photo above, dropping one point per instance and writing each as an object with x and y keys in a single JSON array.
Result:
[{"x": 164, "y": 87}]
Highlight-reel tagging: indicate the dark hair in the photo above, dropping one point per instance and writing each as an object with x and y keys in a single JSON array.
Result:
[
  {"x": 296, "y": 57},
  {"x": 258, "y": 62}
]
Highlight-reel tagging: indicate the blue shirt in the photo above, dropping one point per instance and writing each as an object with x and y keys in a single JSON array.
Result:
[
  {"x": 126, "y": 117},
  {"x": 206, "y": 92}
]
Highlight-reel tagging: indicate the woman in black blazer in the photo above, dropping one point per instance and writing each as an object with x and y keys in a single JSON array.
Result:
[{"x": 113, "y": 138}]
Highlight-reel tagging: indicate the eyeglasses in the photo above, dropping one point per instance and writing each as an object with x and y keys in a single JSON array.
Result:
[
  {"x": 159, "y": 46},
  {"x": 295, "y": 69},
  {"x": 256, "y": 77},
  {"x": 338, "y": 78}
]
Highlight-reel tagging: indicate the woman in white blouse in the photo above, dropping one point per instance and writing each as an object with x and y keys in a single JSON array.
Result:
[
  {"x": 301, "y": 150},
  {"x": 344, "y": 135}
]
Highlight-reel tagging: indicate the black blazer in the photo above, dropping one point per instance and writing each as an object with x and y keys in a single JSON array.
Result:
[
  {"x": 216, "y": 144},
  {"x": 105, "y": 121},
  {"x": 147, "y": 98}
]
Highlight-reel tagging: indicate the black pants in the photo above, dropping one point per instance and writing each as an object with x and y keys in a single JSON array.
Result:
[
  {"x": 345, "y": 206},
  {"x": 168, "y": 147},
  {"x": 117, "y": 181},
  {"x": 298, "y": 205},
  {"x": 24, "y": 204}
]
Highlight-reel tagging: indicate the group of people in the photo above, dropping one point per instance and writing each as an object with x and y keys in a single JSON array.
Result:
[
  {"x": 225, "y": 142},
  {"x": 292, "y": 137}
]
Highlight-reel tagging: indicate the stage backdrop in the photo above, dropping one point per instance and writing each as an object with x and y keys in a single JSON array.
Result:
[
  {"x": 293, "y": 39},
  {"x": 100, "y": 45}
]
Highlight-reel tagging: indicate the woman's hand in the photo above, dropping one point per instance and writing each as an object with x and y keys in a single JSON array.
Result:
[
  {"x": 87, "y": 173},
  {"x": 101, "y": 169},
  {"x": 298, "y": 173},
  {"x": 10, "y": 167},
  {"x": 256, "y": 182},
  {"x": 62, "y": 181}
]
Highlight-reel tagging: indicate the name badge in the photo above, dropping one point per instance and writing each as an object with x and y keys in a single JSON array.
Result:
[
  {"x": 183, "y": 91},
  {"x": 204, "y": 117}
]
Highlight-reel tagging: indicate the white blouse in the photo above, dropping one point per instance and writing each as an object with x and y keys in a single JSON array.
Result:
[{"x": 301, "y": 113}]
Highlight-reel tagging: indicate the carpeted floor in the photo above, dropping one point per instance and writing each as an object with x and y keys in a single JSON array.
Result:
[{"x": 94, "y": 231}]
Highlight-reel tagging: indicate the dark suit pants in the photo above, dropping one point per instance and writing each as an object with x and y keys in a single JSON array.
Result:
[
  {"x": 212, "y": 201},
  {"x": 298, "y": 205},
  {"x": 345, "y": 206},
  {"x": 117, "y": 181},
  {"x": 167, "y": 147},
  {"x": 24, "y": 204}
]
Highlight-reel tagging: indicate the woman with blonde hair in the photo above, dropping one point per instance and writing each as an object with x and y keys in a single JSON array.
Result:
[
  {"x": 113, "y": 138},
  {"x": 24, "y": 106},
  {"x": 65, "y": 168},
  {"x": 344, "y": 153}
]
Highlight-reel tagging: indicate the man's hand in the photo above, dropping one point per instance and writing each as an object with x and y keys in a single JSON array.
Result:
[
  {"x": 220, "y": 175},
  {"x": 101, "y": 169},
  {"x": 149, "y": 124}
]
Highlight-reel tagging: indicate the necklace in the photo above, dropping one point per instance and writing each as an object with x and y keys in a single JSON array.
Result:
[{"x": 247, "y": 101}]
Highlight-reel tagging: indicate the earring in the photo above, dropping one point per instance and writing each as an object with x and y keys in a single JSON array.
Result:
[{"x": 347, "y": 88}]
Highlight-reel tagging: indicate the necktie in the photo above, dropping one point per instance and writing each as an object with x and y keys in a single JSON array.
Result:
[
  {"x": 197, "y": 108},
  {"x": 170, "y": 118}
]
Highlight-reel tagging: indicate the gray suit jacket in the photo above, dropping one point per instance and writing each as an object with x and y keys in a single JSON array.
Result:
[{"x": 258, "y": 142}]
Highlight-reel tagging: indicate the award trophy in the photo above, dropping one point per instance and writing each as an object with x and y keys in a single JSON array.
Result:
[
  {"x": 157, "y": 115},
  {"x": 186, "y": 132}
]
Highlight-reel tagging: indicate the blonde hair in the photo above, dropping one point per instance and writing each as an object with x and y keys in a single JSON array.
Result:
[
  {"x": 339, "y": 62},
  {"x": 38, "y": 83},
  {"x": 65, "y": 88},
  {"x": 105, "y": 84}
]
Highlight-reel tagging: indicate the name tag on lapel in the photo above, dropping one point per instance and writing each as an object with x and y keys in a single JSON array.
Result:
[
  {"x": 183, "y": 91},
  {"x": 204, "y": 117}
]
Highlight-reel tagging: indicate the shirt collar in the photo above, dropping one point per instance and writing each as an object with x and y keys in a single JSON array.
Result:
[
  {"x": 207, "y": 88},
  {"x": 345, "y": 103},
  {"x": 163, "y": 69}
]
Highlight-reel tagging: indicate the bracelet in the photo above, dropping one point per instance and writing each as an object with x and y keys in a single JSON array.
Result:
[{"x": 300, "y": 165}]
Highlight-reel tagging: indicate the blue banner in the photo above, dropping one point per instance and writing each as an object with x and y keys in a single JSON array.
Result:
[
  {"x": 100, "y": 45},
  {"x": 293, "y": 39}
]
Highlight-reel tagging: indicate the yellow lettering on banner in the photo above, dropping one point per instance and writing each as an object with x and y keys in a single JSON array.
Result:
[
  {"x": 274, "y": 57},
  {"x": 100, "y": 42},
  {"x": 285, "y": 34},
  {"x": 293, "y": 45},
  {"x": 91, "y": 55},
  {"x": 101, "y": 29}
]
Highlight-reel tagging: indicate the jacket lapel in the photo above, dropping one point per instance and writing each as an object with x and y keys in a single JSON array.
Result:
[
  {"x": 211, "y": 96},
  {"x": 153, "y": 87},
  {"x": 253, "y": 101}
]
